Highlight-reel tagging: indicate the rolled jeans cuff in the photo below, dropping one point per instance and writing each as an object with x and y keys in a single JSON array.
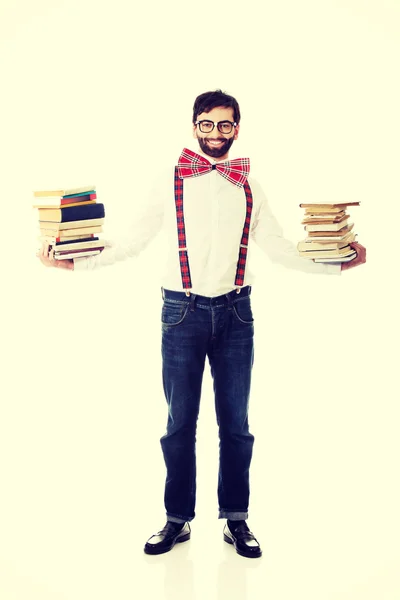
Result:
[
  {"x": 176, "y": 519},
  {"x": 233, "y": 516}
]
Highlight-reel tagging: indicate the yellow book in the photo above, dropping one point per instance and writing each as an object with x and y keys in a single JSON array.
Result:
[
  {"x": 64, "y": 205},
  {"x": 65, "y": 191},
  {"x": 54, "y": 226}
]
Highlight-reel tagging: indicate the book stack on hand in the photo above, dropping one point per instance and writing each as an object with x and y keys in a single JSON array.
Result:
[
  {"x": 69, "y": 221},
  {"x": 329, "y": 233}
]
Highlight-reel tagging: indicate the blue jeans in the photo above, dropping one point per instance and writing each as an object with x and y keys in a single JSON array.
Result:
[{"x": 221, "y": 328}]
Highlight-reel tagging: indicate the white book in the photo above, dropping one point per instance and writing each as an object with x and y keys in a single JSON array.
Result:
[
  {"x": 63, "y": 247},
  {"x": 327, "y": 226},
  {"x": 75, "y": 254},
  {"x": 71, "y": 232},
  {"x": 336, "y": 260}
]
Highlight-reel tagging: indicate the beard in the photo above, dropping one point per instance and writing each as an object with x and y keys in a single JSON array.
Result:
[{"x": 216, "y": 152}]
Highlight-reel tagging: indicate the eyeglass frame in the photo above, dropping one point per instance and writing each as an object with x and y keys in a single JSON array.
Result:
[{"x": 216, "y": 124}]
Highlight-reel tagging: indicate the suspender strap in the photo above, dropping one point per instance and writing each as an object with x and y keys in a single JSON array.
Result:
[
  {"x": 180, "y": 221},
  {"x": 244, "y": 242},
  {"x": 183, "y": 254}
]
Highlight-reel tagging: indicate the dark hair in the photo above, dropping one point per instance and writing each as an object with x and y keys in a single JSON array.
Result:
[{"x": 209, "y": 100}]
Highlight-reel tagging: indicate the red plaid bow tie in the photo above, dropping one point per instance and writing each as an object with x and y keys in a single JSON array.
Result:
[{"x": 191, "y": 164}]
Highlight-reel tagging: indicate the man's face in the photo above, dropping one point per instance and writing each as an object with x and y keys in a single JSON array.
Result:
[{"x": 215, "y": 143}]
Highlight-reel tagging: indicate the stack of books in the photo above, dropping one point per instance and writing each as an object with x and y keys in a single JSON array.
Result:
[
  {"x": 69, "y": 221},
  {"x": 329, "y": 233}
]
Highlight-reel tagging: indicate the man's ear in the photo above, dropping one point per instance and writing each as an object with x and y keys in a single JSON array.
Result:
[
  {"x": 194, "y": 131},
  {"x": 235, "y": 137}
]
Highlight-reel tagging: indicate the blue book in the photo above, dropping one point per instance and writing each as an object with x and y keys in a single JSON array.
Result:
[{"x": 72, "y": 213}]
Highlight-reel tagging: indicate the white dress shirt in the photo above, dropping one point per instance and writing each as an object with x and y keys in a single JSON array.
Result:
[{"x": 214, "y": 213}]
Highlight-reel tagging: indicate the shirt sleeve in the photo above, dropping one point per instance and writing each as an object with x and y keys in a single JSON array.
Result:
[
  {"x": 268, "y": 235},
  {"x": 145, "y": 227}
]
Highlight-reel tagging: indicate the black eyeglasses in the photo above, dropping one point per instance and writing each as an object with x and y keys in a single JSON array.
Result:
[{"x": 223, "y": 126}]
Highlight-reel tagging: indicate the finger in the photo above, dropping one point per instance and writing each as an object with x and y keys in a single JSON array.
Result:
[{"x": 45, "y": 250}]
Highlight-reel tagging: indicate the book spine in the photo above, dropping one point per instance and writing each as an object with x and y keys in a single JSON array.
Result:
[
  {"x": 56, "y": 239},
  {"x": 78, "y": 251},
  {"x": 68, "y": 255},
  {"x": 82, "y": 213},
  {"x": 326, "y": 228},
  {"x": 77, "y": 200},
  {"x": 59, "y": 228},
  {"x": 60, "y": 205},
  {"x": 90, "y": 192},
  {"x": 74, "y": 213},
  {"x": 76, "y": 241}
]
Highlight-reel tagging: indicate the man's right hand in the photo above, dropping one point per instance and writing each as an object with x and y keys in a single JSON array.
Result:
[{"x": 46, "y": 257}]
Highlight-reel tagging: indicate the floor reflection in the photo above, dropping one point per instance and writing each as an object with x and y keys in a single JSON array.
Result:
[
  {"x": 178, "y": 572},
  {"x": 232, "y": 577}
]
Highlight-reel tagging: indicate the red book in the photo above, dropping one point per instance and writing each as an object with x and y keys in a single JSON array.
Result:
[
  {"x": 73, "y": 199},
  {"x": 69, "y": 239}
]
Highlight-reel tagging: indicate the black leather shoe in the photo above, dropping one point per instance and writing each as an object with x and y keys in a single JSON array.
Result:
[
  {"x": 165, "y": 540},
  {"x": 244, "y": 541}
]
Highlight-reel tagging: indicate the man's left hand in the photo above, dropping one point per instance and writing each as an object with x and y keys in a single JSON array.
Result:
[{"x": 360, "y": 259}]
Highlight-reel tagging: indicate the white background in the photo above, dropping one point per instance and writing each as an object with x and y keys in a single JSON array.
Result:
[{"x": 102, "y": 93}]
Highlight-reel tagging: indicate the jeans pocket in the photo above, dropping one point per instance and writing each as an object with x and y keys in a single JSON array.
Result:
[
  {"x": 242, "y": 311},
  {"x": 173, "y": 314}
]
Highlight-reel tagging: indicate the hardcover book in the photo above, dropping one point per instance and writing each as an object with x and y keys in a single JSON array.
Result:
[
  {"x": 327, "y": 244},
  {"x": 337, "y": 260},
  {"x": 77, "y": 254},
  {"x": 330, "y": 235},
  {"x": 327, "y": 226},
  {"x": 65, "y": 191},
  {"x": 65, "y": 247},
  {"x": 68, "y": 214},
  {"x": 46, "y": 229},
  {"x": 324, "y": 218},
  {"x": 324, "y": 207},
  {"x": 67, "y": 242},
  {"x": 52, "y": 239},
  {"x": 57, "y": 201},
  {"x": 333, "y": 253}
]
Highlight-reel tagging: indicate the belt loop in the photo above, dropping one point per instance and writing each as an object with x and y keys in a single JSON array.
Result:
[
  {"x": 238, "y": 290},
  {"x": 229, "y": 301},
  {"x": 192, "y": 299}
]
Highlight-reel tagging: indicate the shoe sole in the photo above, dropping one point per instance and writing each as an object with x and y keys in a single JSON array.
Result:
[
  {"x": 155, "y": 550},
  {"x": 229, "y": 541}
]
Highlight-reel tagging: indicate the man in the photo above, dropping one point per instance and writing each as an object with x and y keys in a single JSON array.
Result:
[{"x": 208, "y": 211}]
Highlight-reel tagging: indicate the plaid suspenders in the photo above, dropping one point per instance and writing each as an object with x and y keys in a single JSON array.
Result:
[
  {"x": 183, "y": 254},
  {"x": 180, "y": 221},
  {"x": 244, "y": 242}
]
